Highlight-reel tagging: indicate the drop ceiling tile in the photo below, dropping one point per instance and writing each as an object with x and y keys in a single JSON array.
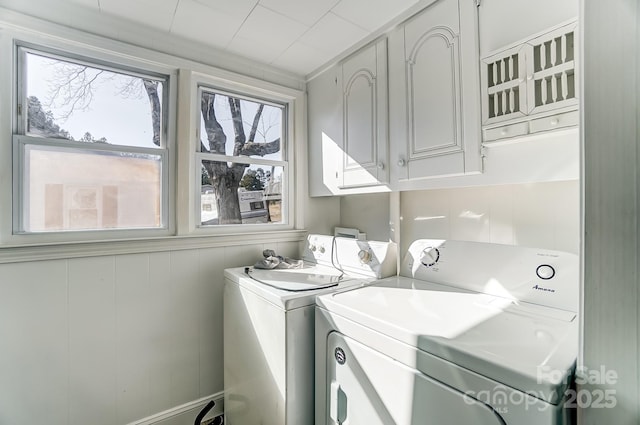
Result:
[
  {"x": 153, "y": 13},
  {"x": 307, "y": 12},
  {"x": 302, "y": 59},
  {"x": 198, "y": 22},
  {"x": 95, "y": 4},
  {"x": 271, "y": 28},
  {"x": 233, "y": 8},
  {"x": 371, "y": 14},
  {"x": 255, "y": 49},
  {"x": 333, "y": 34}
]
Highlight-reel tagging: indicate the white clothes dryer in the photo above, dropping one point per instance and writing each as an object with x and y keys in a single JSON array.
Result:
[
  {"x": 469, "y": 333},
  {"x": 269, "y": 325}
]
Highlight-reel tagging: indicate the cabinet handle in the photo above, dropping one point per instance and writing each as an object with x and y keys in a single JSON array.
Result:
[
  {"x": 401, "y": 162},
  {"x": 381, "y": 165},
  {"x": 554, "y": 121},
  {"x": 529, "y": 77}
]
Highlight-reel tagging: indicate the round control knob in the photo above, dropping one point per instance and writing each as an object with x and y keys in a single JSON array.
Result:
[
  {"x": 321, "y": 249},
  {"x": 312, "y": 247},
  {"x": 365, "y": 256},
  {"x": 430, "y": 256},
  {"x": 545, "y": 271}
]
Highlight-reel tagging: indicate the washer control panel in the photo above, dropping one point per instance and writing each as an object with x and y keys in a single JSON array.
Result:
[
  {"x": 430, "y": 256},
  {"x": 365, "y": 256},
  {"x": 368, "y": 258}
]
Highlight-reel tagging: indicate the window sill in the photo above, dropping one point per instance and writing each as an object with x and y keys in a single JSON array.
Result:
[{"x": 57, "y": 251}]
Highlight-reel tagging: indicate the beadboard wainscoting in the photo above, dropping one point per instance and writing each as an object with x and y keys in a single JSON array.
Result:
[{"x": 115, "y": 339}]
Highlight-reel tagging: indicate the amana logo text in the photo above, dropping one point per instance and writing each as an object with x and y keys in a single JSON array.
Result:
[{"x": 540, "y": 288}]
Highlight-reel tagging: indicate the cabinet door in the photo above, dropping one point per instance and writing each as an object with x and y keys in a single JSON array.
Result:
[
  {"x": 551, "y": 70},
  {"x": 435, "y": 106},
  {"x": 364, "y": 106},
  {"x": 504, "y": 86},
  {"x": 325, "y": 133}
]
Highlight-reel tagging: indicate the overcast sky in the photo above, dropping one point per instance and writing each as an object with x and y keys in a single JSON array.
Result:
[{"x": 126, "y": 119}]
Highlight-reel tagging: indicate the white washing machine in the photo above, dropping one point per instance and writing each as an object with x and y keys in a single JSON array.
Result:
[
  {"x": 269, "y": 327},
  {"x": 468, "y": 333}
]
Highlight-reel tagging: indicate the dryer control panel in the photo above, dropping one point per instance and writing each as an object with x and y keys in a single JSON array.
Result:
[{"x": 539, "y": 276}]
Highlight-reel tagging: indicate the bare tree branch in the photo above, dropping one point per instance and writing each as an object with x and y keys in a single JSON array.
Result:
[
  {"x": 131, "y": 88},
  {"x": 256, "y": 120},
  {"x": 74, "y": 88},
  {"x": 261, "y": 149},
  {"x": 238, "y": 126}
]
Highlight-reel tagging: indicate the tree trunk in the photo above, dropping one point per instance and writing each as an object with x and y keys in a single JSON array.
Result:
[
  {"x": 156, "y": 111},
  {"x": 225, "y": 190},
  {"x": 225, "y": 179}
]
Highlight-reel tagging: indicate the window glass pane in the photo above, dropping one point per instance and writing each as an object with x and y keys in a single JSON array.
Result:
[
  {"x": 241, "y": 194},
  {"x": 236, "y": 126},
  {"x": 67, "y": 189},
  {"x": 68, "y": 100}
]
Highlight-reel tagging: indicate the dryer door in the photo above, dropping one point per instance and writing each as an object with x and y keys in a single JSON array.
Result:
[{"x": 366, "y": 387}]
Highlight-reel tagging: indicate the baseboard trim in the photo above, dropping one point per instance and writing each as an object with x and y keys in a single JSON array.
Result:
[{"x": 191, "y": 407}]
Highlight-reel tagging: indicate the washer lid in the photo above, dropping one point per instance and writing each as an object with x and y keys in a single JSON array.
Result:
[
  {"x": 525, "y": 346},
  {"x": 315, "y": 280},
  {"x": 297, "y": 280}
]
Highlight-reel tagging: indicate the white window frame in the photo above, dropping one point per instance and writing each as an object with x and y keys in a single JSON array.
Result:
[
  {"x": 281, "y": 98},
  {"x": 103, "y": 60},
  {"x": 185, "y": 73}
]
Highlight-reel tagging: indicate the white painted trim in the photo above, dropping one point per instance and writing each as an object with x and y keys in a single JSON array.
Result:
[
  {"x": 39, "y": 252},
  {"x": 186, "y": 203},
  {"x": 181, "y": 216},
  {"x": 292, "y": 100},
  {"x": 196, "y": 405}
]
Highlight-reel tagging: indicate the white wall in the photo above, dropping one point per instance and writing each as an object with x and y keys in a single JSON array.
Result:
[
  {"x": 541, "y": 215},
  {"x": 113, "y": 339},
  {"x": 611, "y": 293},
  {"x": 503, "y": 22},
  {"x": 368, "y": 213}
]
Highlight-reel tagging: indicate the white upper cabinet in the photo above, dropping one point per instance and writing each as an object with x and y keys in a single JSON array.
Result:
[
  {"x": 324, "y": 127},
  {"x": 348, "y": 134},
  {"x": 364, "y": 105},
  {"x": 434, "y": 94},
  {"x": 531, "y": 87},
  {"x": 451, "y": 97}
]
